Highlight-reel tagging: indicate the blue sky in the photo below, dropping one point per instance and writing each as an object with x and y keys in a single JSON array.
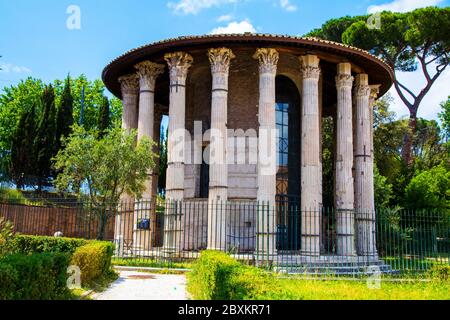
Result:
[{"x": 35, "y": 40}]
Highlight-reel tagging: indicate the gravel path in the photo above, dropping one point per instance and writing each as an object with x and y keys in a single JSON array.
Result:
[{"x": 133, "y": 285}]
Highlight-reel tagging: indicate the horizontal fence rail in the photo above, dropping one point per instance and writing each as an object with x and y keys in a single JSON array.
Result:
[{"x": 281, "y": 236}]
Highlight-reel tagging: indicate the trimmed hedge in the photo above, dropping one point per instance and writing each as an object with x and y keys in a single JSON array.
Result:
[
  {"x": 92, "y": 257},
  {"x": 38, "y": 244},
  {"x": 217, "y": 276},
  {"x": 34, "y": 277},
  {"x": 94, "y": 260}
]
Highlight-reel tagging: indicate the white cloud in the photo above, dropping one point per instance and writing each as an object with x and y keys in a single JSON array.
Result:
[
  {"x": 286, "y": 5},
  {"x": 235, "y": 27},
  {"x": 225, "y": 18},
  {"x": 403, "y": 5},
  {"x": 430, "y": 106},
  {"x": 10, "y": 68},
  {"x": 195, "y": 6}
]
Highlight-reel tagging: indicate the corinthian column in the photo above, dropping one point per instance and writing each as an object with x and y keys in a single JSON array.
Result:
[
  {"x": 148, "y": 72},
  {"x": 218, "y": 180},
  {"x": 179, "y": 64},
  {"x": 364, "y": 188},
  {"x": 124, "y": 225},
  {"x": 129, "y": 85},
  {"x": 344, "y": 190},
  {"x": 311, "y": 179},
  {"x": 267, "y": 153}
]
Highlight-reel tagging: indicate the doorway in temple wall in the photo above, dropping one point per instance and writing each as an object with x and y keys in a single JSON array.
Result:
[{"x": 288, "y": 124}]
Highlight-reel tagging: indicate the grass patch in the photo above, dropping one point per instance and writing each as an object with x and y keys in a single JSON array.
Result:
[
  {"x": 217, "y": 276},
  {"x": 149, "y": 263},
  {"x": 358, "y": 290}
]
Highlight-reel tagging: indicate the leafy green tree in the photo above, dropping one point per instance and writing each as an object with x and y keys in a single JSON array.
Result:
[
  {"x": 406, "y": 41},
  {"x": 14, "y": 102},
  {"x": 383, "y": 190},
  {"x": 328, "y": 162},
  {"x": 430, "y": 189},
  {"x": 106, "y": 167},
  {"x": 94, "y": 92},
  {"x": 104, "y": 118},
  {"x": 334, "y": 29},
  {"x": 22, "y": 151},
  {"x": 444, "y": 116},
  {"x": 428, "y": 148},
  {"x": 162, "y": 159},
  {"x": 64, "y": 116},
  {"x": 45, "y": 138}
]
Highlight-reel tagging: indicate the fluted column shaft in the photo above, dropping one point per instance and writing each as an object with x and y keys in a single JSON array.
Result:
[
  {"x": 364, "y": 184},
  {"x": 148, "y": 72},
  {"x": 124, "y": 220},
  {"x": 179, "y": 64},
  {"x": 267, "y": 153},
  {"x": 311, "y": 178},
  {"x": 220, "y": 59},
  {"x": 344, "y": 189}
]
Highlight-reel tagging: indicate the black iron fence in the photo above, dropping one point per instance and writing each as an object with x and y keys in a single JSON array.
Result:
[{"x": 280, "y": 236}]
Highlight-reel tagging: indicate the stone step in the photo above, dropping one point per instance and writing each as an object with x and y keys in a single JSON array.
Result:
[{"x": 334, "y": 270}]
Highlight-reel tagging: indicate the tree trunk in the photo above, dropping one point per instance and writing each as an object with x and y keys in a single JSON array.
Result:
[{"x": 409, "y": 138}]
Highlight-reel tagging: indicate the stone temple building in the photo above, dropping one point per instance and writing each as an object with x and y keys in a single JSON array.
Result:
[{"x": 225, "y": 96}]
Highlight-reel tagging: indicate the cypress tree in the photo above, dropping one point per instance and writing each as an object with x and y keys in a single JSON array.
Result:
[
  {"x": 64, "y": 117},
  {"x": 45, "y": 138},
  {"x": 104, "y": 118},
  {"x": 23, "y": 165}
]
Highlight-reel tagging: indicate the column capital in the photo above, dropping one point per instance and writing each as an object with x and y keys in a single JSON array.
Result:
[
  {"x": 148, "y": 72},
  {"x": 129, "y": 84},
  {"x": 374, "y": 91},
  {"x": 362, "y": 88},
  {"x": 220, "y": 59},
  {"x": 268, "y": 60},
  {"x": 344, "y": 81},
  {"x": 310, "y": 66},
  {"x": 344, "y": 77},
  {"x": 179, "y": 64}
]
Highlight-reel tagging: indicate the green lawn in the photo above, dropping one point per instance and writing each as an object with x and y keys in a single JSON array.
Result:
[{"x": 358, "y": 290}]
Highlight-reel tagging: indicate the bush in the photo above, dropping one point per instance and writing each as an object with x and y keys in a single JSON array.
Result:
[
  {"x": 439, "y": 273},
  {"x": 217, "y": 276},
  {"x": 6, "y": 236},
  {"x": 429, "y": 189},
  {"x": 34, "y": 277},
  {"x": 94, "y": 260},
  {"x": 37, "y": 244},
  {"x": 209, "y": 274}
]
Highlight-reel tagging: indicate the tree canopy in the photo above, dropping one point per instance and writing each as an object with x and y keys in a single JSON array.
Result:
[
  {"x": 49, "y": 101},
  {"x": 407, "y": 42}
]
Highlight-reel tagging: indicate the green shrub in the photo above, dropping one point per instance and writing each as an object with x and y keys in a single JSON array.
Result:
[
  {"x": 94, "y": 260},
  {"x": 440, "y": 273},
  {"x": 37, "y": 244},
  {"x": 209, "y": 274},
  {"x": 6, "y": 236},
  {"x": 250, "y": 283},
  {"x": 429, "y": 189},
  {"x": 8, "y": 281},
  {"x": 34, "y": 277},
  {"x": 217, "y": 276}
]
